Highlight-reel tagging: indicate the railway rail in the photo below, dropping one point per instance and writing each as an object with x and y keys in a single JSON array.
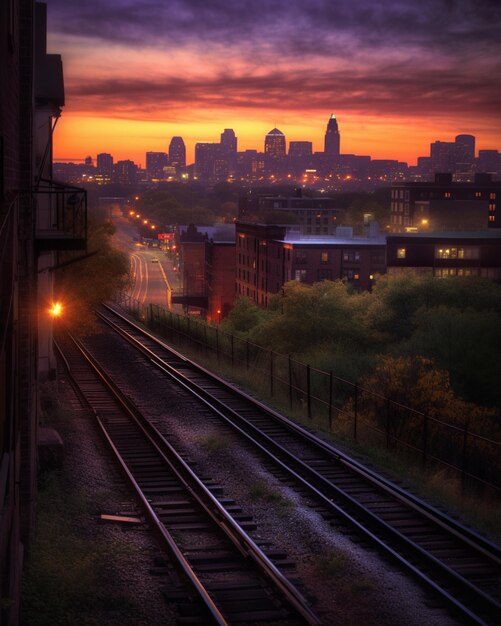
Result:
[
  {"x": 460, "y": 566},
  {"x": 233, "y": 579}
]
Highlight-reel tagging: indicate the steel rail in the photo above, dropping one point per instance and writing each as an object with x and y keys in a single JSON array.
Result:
[
  {"x": 466, "y": 535},
  {"x": 207, "y": 501}
]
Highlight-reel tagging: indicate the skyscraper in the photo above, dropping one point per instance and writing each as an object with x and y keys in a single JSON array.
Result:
[
  {"x": 228, "y": 141},
  {"x": 332, "y": 141},
  {"x": 465, "y": 149},
  {"x": 274, "y": 144},
  {"x": 105, "y": 165},
  {"x": 155, "y": 163},
  {"x": 177, "y": 153}
]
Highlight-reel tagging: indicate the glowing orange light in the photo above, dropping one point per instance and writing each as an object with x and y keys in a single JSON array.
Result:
[
  {"x": 56, "y": 309},
  {"x": 137, "y": 215},
  {"x": 153, "y": 227},
  {"x": 136, "y": 197},
  {"x": 131, "y": 212},
  {"x": 145, "y": 221}
]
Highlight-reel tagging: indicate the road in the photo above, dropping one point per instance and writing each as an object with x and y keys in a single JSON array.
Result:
[{"x": 152, "y": 272}]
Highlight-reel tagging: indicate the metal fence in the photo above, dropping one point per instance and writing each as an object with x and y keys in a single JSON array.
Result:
[{"x": 336, "y": 404}]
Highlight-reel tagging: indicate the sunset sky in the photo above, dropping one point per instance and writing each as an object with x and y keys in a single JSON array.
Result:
[{"x": 397, "y": 74}]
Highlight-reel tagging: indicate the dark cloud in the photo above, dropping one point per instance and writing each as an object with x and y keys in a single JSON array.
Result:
[
  {"x": 449, "y": 25},
  {"x": 397, "y": 56},
  {"x": 427, "y": 94}
]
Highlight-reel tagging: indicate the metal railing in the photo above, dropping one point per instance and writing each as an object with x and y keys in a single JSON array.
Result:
[
  {"x": 61, "y": 211},
  {"x": 338, "y": 405}
]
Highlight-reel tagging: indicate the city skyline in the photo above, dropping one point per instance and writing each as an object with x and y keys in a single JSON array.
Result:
[{"x": 397, "y": 75}]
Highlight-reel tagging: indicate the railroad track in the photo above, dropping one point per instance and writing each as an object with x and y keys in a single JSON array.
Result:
[
  {"x": 458, "y": 565},
  {"x": 231, "y": 577}
]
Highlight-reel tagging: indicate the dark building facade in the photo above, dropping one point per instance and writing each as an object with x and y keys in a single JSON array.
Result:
[
  {"x": 155, "y": 163},
  {"x": 444, "y": 254},
  {"x": 268, "y": 256},
  {"x": 332, "y": 142},
  {"x": 177, "y": 154},
  {"x": 32, "y": 95},
  {"x": 446, "y": 205}
]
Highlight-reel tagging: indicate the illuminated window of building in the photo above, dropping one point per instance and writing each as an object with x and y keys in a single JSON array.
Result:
[
  {"x": 447, "y": 194},
  {"x": 478, "y": 194},
  {"x": 492, "y": 218},
  {"x": 401, "y": 253},
  {"x": 492, "y": 196},
  {"x": 469, "y": 252},
  {"x": 300, "y": 276},
  {"x": 356, "y": 276},
  {"x": 324, "y": 257},
  {"x": 492, "y": 207}
]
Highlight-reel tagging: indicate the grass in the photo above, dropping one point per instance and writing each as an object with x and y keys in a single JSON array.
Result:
[
  {"x": 262, "y": 492},
  {"x": 68, "y": 579},
  {"x": 332, "y": 565},
  {"x": 213, "y": 443}
]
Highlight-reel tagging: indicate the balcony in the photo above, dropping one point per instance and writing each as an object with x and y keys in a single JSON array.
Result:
[{"x": 61, "y": 212}]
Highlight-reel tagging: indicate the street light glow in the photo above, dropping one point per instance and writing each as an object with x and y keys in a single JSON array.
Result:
[{"x": 56, "y": 309}]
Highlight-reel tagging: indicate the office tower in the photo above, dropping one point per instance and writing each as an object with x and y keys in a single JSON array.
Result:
[
  {"x": 105, "y": 165},
  {"x": 228, "y": 151},
  {"x": 155, "y": 163},
  {"x": 465, "y": 149},
  {"x": 489, "y": 161},
  {"x": 126, "y": 172},
  {"x": 177, "y": 153},
  {"x": 300, "y": 149},
  {"x": 332, "y": 141},
  {"x": 205, "y": 160},
  {"x": 88, "y": 161},
  {"x": 442, "y": 154},
  {"x": 228, "y": 141},
  {"x": 274, "y": 144}
]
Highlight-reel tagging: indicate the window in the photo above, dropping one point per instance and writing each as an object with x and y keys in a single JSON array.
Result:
[
  {"x": 324, "y": 274},
  {"x": 301, "y": 257},
  {"x": 324, "y": 257},
  {"x": 492, "y": 218},
  {"x": 492, "y": 196},
  {"x": 478, "y": 194},
  {"x": 351, "y": 256},
  {"x": 401, "y": 253},
  {"x": 469, "y": 252},
  {"x": 300, "y": 276},
  {"x": 492, "y": 207},
  {"x": 447, "y": 194}
]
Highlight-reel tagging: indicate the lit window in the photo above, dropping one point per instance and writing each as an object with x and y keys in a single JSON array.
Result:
[
  {"x": 300, "y": 276},
  {"x": 478, "y": 194},
  {"x": 447, "y": 194},
  {"x": 492, "y": 196},
  {"x": 492, "y": 207},
  {"x": 324, "y": 257},
  {"x": 492, "y": 218},
  {"x": 400, "y": 253}
]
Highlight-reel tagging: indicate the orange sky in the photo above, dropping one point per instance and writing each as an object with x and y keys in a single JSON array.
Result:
[{"x": 397, "y": 74}]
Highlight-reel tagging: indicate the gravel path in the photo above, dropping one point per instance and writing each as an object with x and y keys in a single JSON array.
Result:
[{"x": 348, "y": 583}]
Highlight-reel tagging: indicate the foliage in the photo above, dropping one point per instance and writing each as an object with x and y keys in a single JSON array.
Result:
[
  {"x": 85, "y": 283},
  {"x": 244, "y": 316}
]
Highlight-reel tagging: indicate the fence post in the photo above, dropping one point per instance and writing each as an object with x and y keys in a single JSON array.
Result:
[
  {"x": 330, "y": 401},
  {"x": 271, "y": 372},
  {"x": 425, "y": 440},
  {"x": 188, "y": 330},
  {"x": 388, "y": 401},
  {"x": 232, "y": 352},
  {"x": 217, "y": 344},
  {"x": 290, "y": 381},
  {"x": 464, "y": 459},
  {"x": 308, "y": 390},
  {"x": 205, "y": 338},
  {"x": 247, "y": 353}
]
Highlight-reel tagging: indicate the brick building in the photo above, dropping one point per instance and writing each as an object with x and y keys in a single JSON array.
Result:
[
  {"x": 453, "y": 253},
  {"x": 267, "y": 256},
  {"x": 446, "y": 205}
]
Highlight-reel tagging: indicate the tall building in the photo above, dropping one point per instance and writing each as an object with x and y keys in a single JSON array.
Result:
[
  {"x": 465, "y": 149},
  {"x": 300, "y": 149},
  {"x": 177, "y": 153},
  {"x": 229, "y": 141},
  {"x": 105, "y": 165},
  {"x": 205, "y": 160},
  {"x": 228, "y": 151},
  {"x": 274, "y": 144},
  {"x": 332, "y": 143},
  {"x": 443, "y": 156},
  {"x": 126, "y": 172},
  {"x": 155, "y": 163}
]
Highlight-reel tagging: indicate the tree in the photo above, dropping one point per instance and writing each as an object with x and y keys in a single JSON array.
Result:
[{"x": 95, "y": 279}]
